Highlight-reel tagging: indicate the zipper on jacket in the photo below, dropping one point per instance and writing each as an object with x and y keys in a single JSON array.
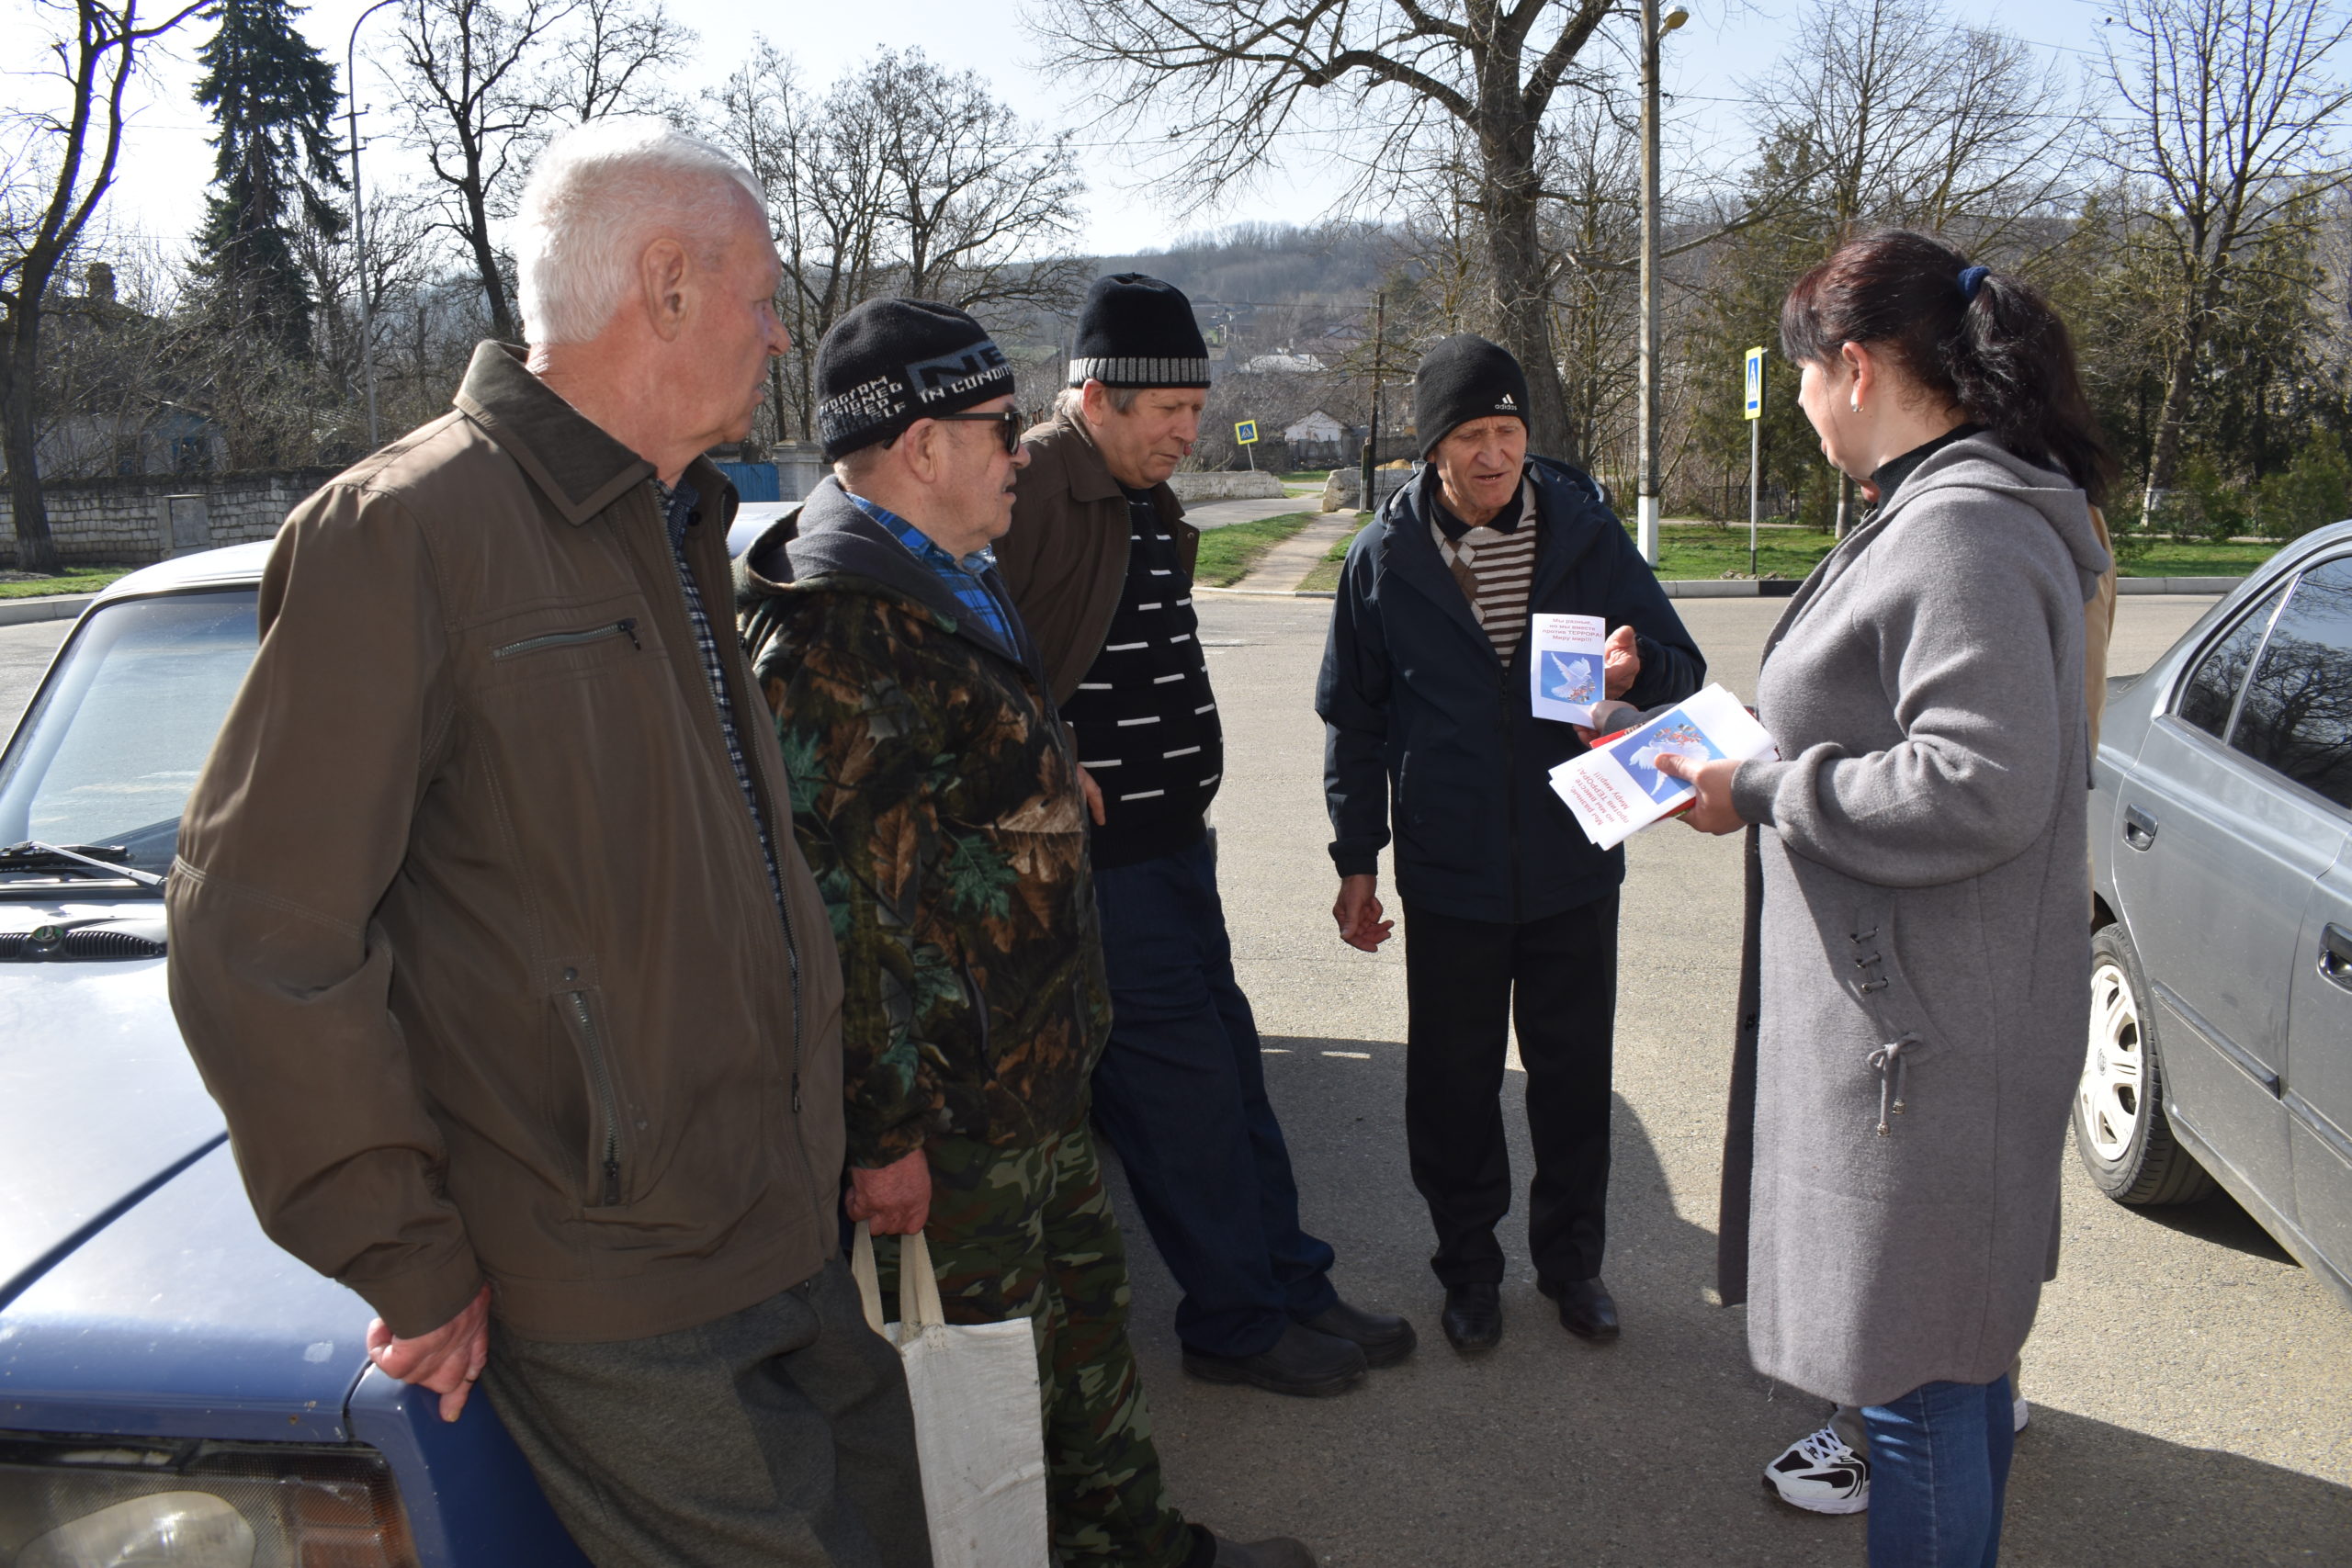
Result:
[
  {"x": 608, "y": 1105},
  {"x": 627, "y": 627},
  {"x": 1510, "y": 793},
  {"x": 979, "y": 1009},
  {"x": 772, "y": 837}
]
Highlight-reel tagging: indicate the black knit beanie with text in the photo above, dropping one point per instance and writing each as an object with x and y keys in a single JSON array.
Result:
[{"x": 890, "y": 362}]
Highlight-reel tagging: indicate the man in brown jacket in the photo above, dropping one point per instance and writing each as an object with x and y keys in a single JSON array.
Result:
[
  {"x": 490, "y": 935},
  {"x": 1101, "y": 566}
]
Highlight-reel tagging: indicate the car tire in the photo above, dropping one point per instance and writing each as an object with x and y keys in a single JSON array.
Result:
[{"x": 2120, "y": 1132}]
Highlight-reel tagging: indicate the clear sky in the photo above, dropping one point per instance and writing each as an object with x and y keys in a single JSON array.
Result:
[{"x": 160, "y": 194}]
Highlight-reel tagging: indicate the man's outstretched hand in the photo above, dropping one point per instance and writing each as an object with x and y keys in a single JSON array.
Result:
[
  {"x": 1621, "y": 662},
  {"x": 446, "y": 1361}
]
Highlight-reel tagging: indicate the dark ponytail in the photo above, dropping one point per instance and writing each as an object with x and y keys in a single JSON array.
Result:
[{"x": 1986, "y": 341}]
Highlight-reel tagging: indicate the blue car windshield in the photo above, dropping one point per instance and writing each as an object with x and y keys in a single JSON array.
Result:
[{"x": 110, "y": 748}]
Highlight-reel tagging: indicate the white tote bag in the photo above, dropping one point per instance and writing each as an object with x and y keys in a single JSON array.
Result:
[{"x": 980, "y": 1432}]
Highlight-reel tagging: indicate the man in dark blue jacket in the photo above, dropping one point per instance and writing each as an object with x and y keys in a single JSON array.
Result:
[{"x": 1510, "y": 910}]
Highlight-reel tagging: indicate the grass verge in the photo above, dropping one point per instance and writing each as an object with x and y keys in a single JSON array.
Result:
[
  {"x": 1325, "y": 578},
  {"x": 78, "y": 579},
  {"x": 1228, "y": 553},
  {"x": 1699, "y": 550}
]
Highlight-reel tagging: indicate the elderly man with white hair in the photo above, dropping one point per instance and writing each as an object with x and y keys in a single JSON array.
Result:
[{"x": 491, "y": 937}]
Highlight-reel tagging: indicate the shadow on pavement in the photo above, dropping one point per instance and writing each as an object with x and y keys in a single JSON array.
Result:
[
  {"x": 2219, "y": 1219},
  {"x": 1645, "y": 1454}
]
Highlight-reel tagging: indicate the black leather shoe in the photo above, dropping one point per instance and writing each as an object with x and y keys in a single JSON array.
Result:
[
  {"x": 1384, "y": 1339},
  {"x": 1277, "y": 1552},
  {"x": 1474, "y": 1316},
  {"x": 1587, "y": 1310},
  {"x": 1302, "y": 1361}
]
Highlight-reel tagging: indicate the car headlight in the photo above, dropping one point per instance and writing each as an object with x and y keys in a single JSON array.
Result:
[
  {"x": 118, "y": 1503},
  {"x": 186, "y": 1529}
]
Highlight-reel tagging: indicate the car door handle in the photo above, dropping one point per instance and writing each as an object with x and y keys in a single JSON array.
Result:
[
  {"x": 2336, "y": 955},
  {"x": 2138, "y": 827}
]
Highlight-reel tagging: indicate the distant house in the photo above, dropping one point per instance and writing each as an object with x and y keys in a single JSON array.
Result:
[
  {"x": 1284, "y": 364},
  {"x": 1316, "y": 429}
]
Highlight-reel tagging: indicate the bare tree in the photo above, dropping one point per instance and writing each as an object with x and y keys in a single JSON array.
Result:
[
  {"x": 467, "y": 88},
  {"x": 1888, "y": 113},
  {"x": 973, "y": 194},
  {"x": 1234, "y": 75},
  {"x": 902, "y": 177},
  {"x": 49, "y": 189},
  {"x": 2231, "y": 125},
  {"x": 485, "y": 83},
  {"x": 611, "y": 62}
]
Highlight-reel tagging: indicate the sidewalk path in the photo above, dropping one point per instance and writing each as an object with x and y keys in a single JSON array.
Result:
[
  {"x": 1223, "y": 513},
  {"x": 1280, "y": 569}
]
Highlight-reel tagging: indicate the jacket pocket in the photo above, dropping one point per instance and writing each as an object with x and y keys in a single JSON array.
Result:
[
  {"x": 609, "y": 1143},
  {"x": 579, "y": 636}
]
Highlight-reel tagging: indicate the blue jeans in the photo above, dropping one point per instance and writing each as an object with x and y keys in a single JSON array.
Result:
[
  {"x": 1181, "y": 1094},
  {"x": 1939, "y": 1468}
]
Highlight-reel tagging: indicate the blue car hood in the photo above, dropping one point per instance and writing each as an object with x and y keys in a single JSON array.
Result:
[
  {"x": 97, "y": 1098},
  {"x": 137, "y": 1291}
]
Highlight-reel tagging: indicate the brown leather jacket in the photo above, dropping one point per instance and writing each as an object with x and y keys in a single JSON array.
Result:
[
  {"x": 470, "y": 934},
  {"x": 1065, "y": 557}
]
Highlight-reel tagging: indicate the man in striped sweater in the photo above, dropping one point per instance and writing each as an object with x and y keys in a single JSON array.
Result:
[{"x": 1100, "y": 562}]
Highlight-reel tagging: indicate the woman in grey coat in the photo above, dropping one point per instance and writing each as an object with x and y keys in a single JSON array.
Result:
[{"x": 1918, "y": 936}]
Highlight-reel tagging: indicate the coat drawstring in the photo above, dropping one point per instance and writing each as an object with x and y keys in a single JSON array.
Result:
[{"x": 1888, "y": 1059}]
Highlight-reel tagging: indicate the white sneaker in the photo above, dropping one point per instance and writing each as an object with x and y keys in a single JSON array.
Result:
[
  {"x": 1820, "y": 1475},
  {"x": 2020, "y": 1414}
]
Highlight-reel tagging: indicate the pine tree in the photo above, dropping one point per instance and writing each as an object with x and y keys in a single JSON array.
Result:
[{"x": 274, "y": 99}]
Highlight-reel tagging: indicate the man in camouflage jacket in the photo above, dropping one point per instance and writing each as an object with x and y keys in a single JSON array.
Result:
[{"x": 935, "y": 796}]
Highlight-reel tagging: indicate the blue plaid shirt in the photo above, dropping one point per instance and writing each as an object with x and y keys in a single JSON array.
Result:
[{"x": 962, "y": 576}]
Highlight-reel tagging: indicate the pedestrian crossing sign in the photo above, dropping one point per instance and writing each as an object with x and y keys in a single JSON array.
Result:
[
  {"x": 1246, "y": 432},
  {"x": 1755, "y": 409}
]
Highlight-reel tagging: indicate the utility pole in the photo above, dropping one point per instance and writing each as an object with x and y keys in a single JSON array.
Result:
[
  {"x": 1371, "y": 459},
  {"x": 359, "y": 216},
  {"x": 1646, "y": 484}
]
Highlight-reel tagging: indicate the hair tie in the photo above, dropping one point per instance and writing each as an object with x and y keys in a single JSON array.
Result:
[{"x": 1972, "y": 278}]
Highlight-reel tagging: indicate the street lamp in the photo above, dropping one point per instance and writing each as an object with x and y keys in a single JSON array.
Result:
[
  {"x": 1647, "y": 482},
  {"x": 359, "y": 215}
]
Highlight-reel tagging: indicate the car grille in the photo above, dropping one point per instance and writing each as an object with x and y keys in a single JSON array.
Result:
[{"x": 85, "y": 944}]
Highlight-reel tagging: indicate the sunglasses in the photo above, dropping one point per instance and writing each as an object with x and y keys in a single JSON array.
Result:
[{"x": 1007, "y": 421}]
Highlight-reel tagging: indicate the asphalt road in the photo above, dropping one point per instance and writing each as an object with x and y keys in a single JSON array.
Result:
[{"x": 2191, "y": 1387}]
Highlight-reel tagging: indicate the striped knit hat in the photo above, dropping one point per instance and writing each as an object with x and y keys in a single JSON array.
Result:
[{"x": 1139, "y": 332}]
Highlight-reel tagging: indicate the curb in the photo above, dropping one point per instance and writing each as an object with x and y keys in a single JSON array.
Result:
[
  {"x": 2177, "y": 584},
  {"x": 1747, "y": 588},
  {"x": 1710, "y": 588},
  {"x": 1272, "y": 593},
  {"x": 50, "y": 607}
]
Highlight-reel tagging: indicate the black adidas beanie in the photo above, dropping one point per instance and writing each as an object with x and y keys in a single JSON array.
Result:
[
  {"x": 891, "y": 362},
  {"x": 1135, "y": 331},
  {"x": 1464, "y": 378}
]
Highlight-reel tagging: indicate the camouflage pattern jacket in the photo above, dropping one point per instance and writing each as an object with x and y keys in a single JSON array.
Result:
[{"x": 935, "y": 797}]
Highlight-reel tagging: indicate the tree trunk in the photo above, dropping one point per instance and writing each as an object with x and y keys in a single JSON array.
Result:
[
  {"x": 1522, "y": 304},
  {"x": 2165, "y": 456},
  {"x": 36, "y": 550},
  {"x": 494, "y": 285}
]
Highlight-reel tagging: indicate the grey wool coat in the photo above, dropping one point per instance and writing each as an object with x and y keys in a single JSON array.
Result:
[{"x": 1915, "y": 986}]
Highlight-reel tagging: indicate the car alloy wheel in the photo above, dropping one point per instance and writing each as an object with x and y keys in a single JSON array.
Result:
[
  {"x": 2108, "y": 1101},
  {"x": 2122, "y": 1131}
]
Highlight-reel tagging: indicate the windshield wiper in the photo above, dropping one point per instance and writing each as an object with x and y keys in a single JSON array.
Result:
[{"x": 32, "y": 851}]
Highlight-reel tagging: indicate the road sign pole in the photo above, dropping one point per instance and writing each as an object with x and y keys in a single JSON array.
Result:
[
  {"x": 1752, "y": 408},
  {"x": 1754, "y": 485}
]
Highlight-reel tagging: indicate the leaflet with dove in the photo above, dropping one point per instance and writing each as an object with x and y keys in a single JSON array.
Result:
[
  {"x": 1566, "y": 670},
  {"x": 1615, "y": 789}
]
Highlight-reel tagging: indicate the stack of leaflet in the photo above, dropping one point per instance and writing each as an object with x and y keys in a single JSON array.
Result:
[{"x": 1615, "y": 788}]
